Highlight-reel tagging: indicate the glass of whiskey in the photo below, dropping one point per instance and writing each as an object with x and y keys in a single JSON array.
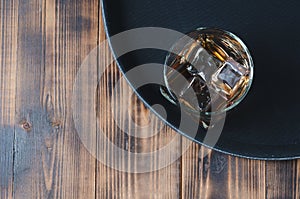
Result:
[{"x": 208, "y": 71}]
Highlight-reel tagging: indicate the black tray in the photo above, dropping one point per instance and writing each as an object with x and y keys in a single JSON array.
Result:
[{"x": 266, "y": 125}]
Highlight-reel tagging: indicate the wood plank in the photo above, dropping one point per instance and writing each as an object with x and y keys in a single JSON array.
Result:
[
  {"x": 281, "y": 177},
  {"x": 8, "y": 43},
  {"x": 210, "y": 174},
  {"x": 54, "y": 38},
  {"x": 238, "y": 177},
  {"x": 296, "y": 176},
  {"x": 246, "y": 178},
  {"x": 27, "y": 167},
  {"x": 112, "y": 183}
]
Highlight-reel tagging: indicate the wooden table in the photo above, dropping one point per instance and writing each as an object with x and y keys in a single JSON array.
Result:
[{"x": 43, "y": 43}]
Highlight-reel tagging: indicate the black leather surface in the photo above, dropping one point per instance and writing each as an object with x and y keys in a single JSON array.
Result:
[{"x": 267, "y": 123}]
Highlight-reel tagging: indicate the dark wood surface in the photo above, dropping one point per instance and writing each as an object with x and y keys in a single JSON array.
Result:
[{"x": 43, "y": 43}]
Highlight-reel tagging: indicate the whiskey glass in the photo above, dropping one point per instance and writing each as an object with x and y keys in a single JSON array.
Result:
[{"x": 217, "y": 71}]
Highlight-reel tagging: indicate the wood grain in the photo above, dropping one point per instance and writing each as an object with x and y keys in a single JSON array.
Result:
[
  {"x": 53, "y": 39},
  {"x": 43, "y": 43},
  {"x": 111, "y": 183},
  {"x": 8, "y": 53}
]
